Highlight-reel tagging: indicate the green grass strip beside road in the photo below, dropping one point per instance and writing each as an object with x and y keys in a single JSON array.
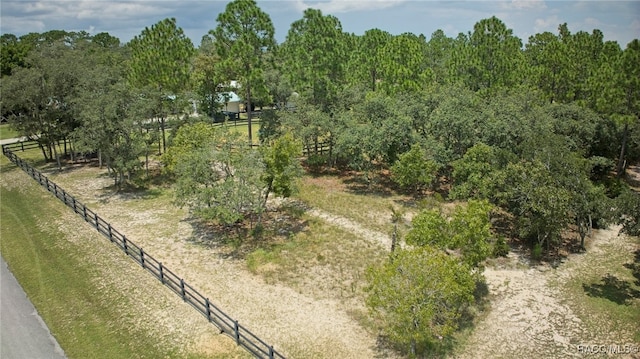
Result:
[{"x": 60, "y": 281}]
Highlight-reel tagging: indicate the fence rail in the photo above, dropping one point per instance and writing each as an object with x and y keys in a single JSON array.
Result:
[{"x": 202, "y": 304}]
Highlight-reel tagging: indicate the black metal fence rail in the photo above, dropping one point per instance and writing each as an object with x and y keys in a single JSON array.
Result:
[{"x": 202, "y": 304}]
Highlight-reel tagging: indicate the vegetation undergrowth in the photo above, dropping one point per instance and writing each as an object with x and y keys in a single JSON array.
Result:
[{"x": 332, "y": 194}]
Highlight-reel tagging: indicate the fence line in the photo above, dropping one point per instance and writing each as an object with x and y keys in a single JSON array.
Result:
[{"x": 202, "y": 304}]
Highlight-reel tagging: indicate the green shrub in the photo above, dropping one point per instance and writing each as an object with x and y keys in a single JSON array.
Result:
[
  {"x": 414, "y": 170},
  {"x": 500, "y": 248},
  {"x": 316, "y": 161},
  {"x": 536, "y": 252}
]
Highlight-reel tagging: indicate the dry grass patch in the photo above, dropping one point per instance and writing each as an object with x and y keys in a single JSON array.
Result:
[
  {"x": 602, "y": 286},
  {"x": 323, "y": 261},
  {"x": 373, "y": 211}
]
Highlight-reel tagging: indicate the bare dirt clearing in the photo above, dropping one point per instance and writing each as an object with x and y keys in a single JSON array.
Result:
[
  {"x": 534, "y": 313},
  {"x": 531, "y": 314}
]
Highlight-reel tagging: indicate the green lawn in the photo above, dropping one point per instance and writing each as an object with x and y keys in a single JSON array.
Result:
[
  {"x": 6, "y": 131},
  {"x": 243, "y": 128}
]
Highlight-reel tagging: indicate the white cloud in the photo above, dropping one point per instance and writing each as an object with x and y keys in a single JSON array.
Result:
[
  {"x": 549, "y": 24},
  {"x": 526, "y": 5},
  {"x": 344, "y": 6},
  {"x": 590, "y": 21}
]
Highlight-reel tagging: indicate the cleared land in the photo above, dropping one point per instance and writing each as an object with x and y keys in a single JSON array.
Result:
[{"x": 302, "y": 290}]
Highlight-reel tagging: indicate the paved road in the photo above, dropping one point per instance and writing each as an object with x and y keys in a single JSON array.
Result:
[
  {"x": 23, "y": 334},
  {"x": 12, "y": 140}
]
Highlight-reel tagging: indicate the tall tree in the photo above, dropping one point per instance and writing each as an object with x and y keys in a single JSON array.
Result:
[
  {"x": 38, "y": 98},
  {"x": 618, "y": 88},
  {"x": 369, "y": 57},
  {"x": 492, "y": 57},
  {"x": 12, "y": 53},
  {"x": 547, "y": 65},
  {"x": 207, "y": 77},
  {"x": 439, "y": 49},
  {"x": 243, "y": 36},
  {"x": 315, "y": 54},
  {"x": 161, "y": 59},
  {"x": 404, "y": 69}
]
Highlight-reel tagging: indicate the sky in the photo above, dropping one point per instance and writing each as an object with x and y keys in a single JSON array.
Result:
[{"x": 618, "y": 20}]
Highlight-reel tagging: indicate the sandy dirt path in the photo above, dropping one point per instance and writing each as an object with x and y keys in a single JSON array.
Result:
[
  {"x": 299, "y": 326},
  {"x": 528, "y": 317}
]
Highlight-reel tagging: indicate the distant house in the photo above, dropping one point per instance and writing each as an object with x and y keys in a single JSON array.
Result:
[
  {"x": 230, "y": 101},
  {"x": 230, "y": 104}
]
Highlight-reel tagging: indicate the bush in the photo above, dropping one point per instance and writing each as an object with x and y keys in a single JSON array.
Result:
[
  {"x": 536, "y": 252},
  {"x": 413, "y": 170},
  {"x": 500, "y": 248},
  {"x": 415, "y": 322},
  {"x": 316, "y": 161}
]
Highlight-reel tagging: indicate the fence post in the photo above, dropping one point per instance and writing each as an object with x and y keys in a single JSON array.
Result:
[
  {"x": 95, "y": 216},
  {"x": 271, "y": 352},
  {"x": 142, "y": 258},
  {"x": 206, "y": 301},
  {"x": 46, "y": 180},
  {"x": 109, "y": 229},
  {"x": 124, "y": 244},
  {"x": 161, "y": 274},
  {"x": 73, "y": 201},
  {"x": 237, "y": 332},
  {"x": 84, "y": 212},
  {"x": 184, "y": 294}
]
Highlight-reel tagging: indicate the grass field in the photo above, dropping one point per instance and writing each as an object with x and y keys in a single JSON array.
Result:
[{"x": 6, "y": 131}]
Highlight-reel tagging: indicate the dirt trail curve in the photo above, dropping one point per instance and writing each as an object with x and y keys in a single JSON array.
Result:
[
  {"x": 353, "y": 227},
  {"x": 528, "y": 317}
]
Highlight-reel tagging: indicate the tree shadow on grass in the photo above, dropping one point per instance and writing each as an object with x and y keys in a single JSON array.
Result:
[
  {"x": 614, "y": 289},
  {"x": 635, "y": 267},
  {"x": 236, "y": 241}
]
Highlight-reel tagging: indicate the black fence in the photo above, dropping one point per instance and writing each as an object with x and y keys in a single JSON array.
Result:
[{"x": 220, "y": 319}]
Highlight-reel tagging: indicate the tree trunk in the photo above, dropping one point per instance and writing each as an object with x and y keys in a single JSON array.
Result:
[
  {"x": 164, "y": 139},
  {"x": 394, "y": 238},
  {"x": 249, "y": 114},
  {"x": 621, "y": 161},
  {"x": 55, "y": 152},
  {"x": 44, "y": 152}
]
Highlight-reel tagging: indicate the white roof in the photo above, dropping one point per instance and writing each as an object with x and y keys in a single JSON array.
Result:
[{"x": 228, "y": 97}]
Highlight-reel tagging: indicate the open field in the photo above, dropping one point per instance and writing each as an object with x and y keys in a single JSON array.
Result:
[
  {"x": 6, "y": 131},
  {"x": 302, "y": 289},
  {"x": 95, "y": 301}
]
